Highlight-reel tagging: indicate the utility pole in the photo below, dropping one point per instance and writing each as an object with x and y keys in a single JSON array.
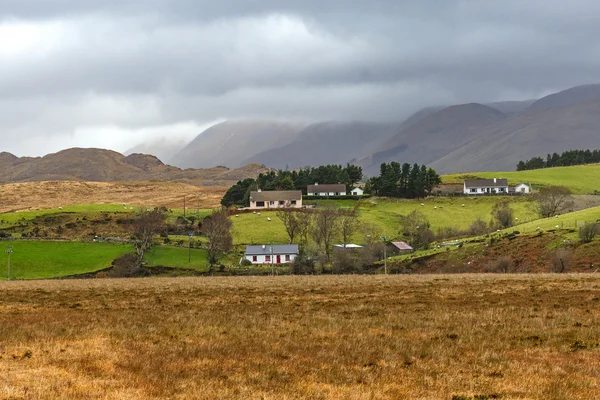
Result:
[
  {"x": 9, "y": 250},
  {"x": 384, "y": 239},
  {"x": 183, "y": 206},
  {"x": 190, "y": 247},
  {"x": 272, "y": 264}
]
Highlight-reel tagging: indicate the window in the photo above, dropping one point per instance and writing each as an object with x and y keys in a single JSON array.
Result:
[
  {"x": 287, "y": 257},
  {"x": 260, "y": 204},
  {"x": 293, "y": 202},
  {"x": 281, "y": 202},
  {"x": 254, "y": 258},
  {"x": 272, "y": 203},
  {"x": 267, "y": 258},
  {"x": 473, "y": 190}
]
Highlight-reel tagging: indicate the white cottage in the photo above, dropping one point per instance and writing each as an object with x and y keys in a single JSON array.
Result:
[
  {"x": 357, "y": 192},
  {"x": 271, "y": 254},
  {"x": 326, "y": 190},
  {"x": 486, "y": 186}
]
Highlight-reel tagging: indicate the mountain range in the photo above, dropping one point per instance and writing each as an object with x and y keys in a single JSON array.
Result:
[{"x": 453, "y": 138}]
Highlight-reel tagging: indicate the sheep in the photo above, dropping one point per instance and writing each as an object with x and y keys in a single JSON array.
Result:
[
  {"x": 60, "y": 208},
  {"x": 422, "y": 204},
  {"x": 269, "y": 219},
  {"x": 462, "y": 205},
  {"x": 435, "y": 207}
]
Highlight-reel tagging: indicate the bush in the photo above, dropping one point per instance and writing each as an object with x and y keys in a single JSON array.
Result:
[
  {"x": 503, "y": 265},
  {"x": 561, "y": 260},
  {"x": 245, "y": 262},
  {"x": 126, "y": 266},
  {"x": 302, "y": 264},
  {"x": 588, "y": 232},
  {"x": 502, "y": 216},
  {"x": 345, "y": 262},
  {"x": 478, "y": 227}
]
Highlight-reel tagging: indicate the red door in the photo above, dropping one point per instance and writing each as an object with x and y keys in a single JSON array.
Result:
[{"x": 278, "y": 259}]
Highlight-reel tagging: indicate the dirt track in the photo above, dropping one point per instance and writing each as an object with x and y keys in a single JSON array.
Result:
[{"x": 41, "y": 195}]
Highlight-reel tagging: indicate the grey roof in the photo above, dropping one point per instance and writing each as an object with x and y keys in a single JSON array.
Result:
[
  {"x": 276, "y": 195},
  {"x": 328, "y": 188},
  {"x": 476, "y": 183},
  {"x": 277, "y": 249}
]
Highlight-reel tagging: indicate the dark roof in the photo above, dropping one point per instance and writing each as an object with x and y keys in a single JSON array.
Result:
[
  {"x": 402, "y": 245},
  {"x": 276, "y": 195},
  {"x": 266, "y": 250},
  {"x": 475, "y": 183},
  {"x": 329, "y": 188}
]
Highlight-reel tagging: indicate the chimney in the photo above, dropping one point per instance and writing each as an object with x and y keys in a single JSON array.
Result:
[
  {"x": 494, "y": 180},
  {"x": 264, "y": 247},
  {"x": 316, "y": 183}
]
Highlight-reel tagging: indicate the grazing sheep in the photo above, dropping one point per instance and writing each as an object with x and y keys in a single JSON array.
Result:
[
  {"x": 422, "y": 204},
  {"x": 462, "y": 205},
  {"x": 435, "y": 207},
  {"x": 60, "y": 208},
  {"x": 268, "y": 219},
  {"x": 236, "y": 215},
  {"x": 538, "y": 228},
  {"x": 257, "y": 213}
]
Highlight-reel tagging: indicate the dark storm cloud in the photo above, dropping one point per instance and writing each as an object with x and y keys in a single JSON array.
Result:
[{"x": 127, "y": 70}]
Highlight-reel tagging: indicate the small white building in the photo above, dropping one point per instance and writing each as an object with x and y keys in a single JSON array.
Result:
[
  {"x": 486, "y": 186},
  {"x": 357, "y": 192},
  {"x": 326, "y": 190},
  {"x": 523, "y": 188},
  {"x": 271, "y": 254}
]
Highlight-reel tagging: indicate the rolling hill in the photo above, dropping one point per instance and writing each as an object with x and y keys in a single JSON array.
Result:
[{"x": 100, "y": 165}]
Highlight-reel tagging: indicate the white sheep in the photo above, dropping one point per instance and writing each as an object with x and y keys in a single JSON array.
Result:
[
  {"x": 462, "y": 205},
  {"x": 268, "y": 219}
]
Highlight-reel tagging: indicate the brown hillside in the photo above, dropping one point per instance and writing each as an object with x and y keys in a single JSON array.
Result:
[
  {"x": 52, "y": 194},
  {"x": 100, "y": 165}
]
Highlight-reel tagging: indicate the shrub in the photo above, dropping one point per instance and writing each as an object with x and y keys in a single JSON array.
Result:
[
  {"x": 561, "y": 260},
  {"x": 245, "y": 262},
  {"x": 503, "y": 265},
  {"x": 302, "y": 264},
  {"x": 478, "y": 227},
  {"x": 127, "y": 266},
  {"x": 502, "y": 216},
  {"x": 588, "y": 232}
]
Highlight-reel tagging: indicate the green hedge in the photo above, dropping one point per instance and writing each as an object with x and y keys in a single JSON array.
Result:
[{"x": 346, "y": 197}]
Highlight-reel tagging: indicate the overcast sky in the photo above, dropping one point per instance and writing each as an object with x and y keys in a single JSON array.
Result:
[{"x": 115, "y": 73}]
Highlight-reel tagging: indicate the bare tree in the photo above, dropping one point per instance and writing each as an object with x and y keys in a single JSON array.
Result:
[
  {"x": 290, "y": 222},
  {"x": 325, "y": 224},
  {"x": 304, "y": 219},
  {"x": 561, "y": 260},
  {"x": 478, "y": 227},
  {"x": 348, "y": 225},
  {"x": 415, "y": 227},
  {"x": 146, "y": 224},
  {"x": 588, "y": 231},
  {"x": 502, "y": 216},
  {"x": 217, "y": 228},
  {"x": 552, "y": 201}
]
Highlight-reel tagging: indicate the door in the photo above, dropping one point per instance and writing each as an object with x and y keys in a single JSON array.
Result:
[{"x": 278, "y": 259}]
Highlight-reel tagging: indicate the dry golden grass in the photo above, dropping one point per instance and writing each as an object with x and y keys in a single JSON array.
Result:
[
  {"x": 338, "y": 337},
  {"x": 51, "y": 194}
]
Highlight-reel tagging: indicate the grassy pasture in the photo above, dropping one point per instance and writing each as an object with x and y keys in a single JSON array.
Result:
[
  {"x": 327, "y": 337},
  {"x": 39, "y": 259},
  {"x": 581, "y": 179},
  {"x": 385, "y": 215},
  {"x": 171, "y": 256},
  {"x": 11, "y": 218}
]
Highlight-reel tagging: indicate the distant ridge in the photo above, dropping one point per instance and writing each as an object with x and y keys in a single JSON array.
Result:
[{"x": 109, "y": 166}]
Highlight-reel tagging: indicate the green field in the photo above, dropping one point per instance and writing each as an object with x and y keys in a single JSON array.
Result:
[
  {"x": 564, "y": 221},
  {"x": 171, "y": 256},
  {"x": 39, "y": 259},
  {"x": 384, "y": 215},
  {"x": 581, "y": 179}
]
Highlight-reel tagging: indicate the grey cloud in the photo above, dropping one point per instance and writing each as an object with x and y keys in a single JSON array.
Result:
[{"x": 71, "y": 65}]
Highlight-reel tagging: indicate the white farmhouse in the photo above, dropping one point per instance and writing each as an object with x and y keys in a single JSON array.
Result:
[
  {"x": 326, "y": 190},
  {"x": 357, "y": 192},
  {"x": 275, "y": 199},
  {"x": 271, "y": 254},
  {"x": 486, "y": 186}
]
